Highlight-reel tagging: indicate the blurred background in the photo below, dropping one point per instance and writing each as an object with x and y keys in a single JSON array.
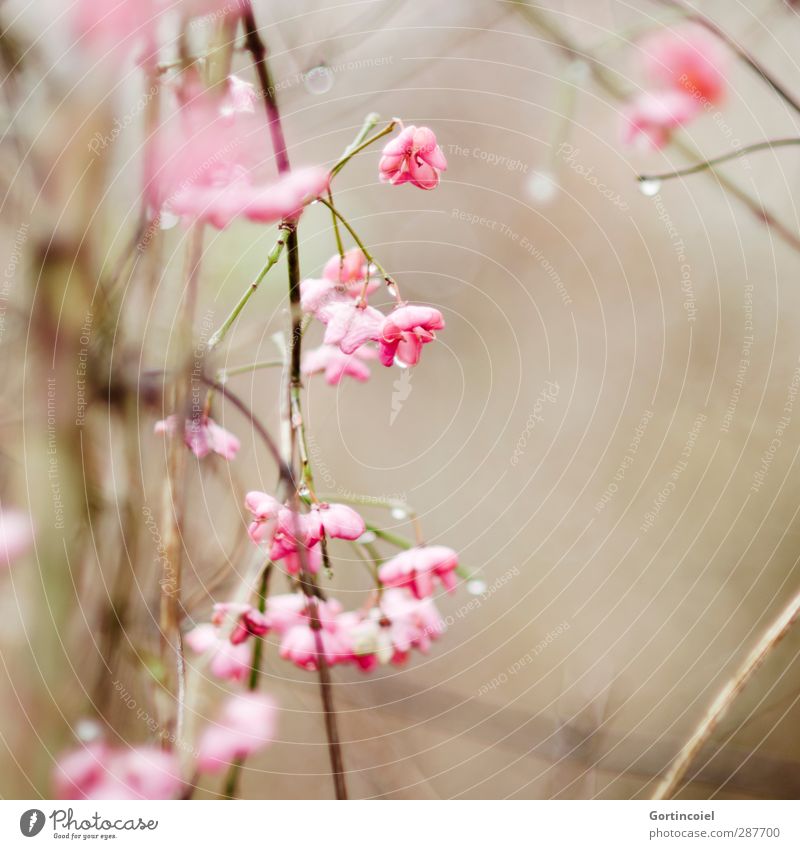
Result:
[{"x": 607, "y": 430}]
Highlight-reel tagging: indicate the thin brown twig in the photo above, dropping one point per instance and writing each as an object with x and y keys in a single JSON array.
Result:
[
  {"x": 606, "y": 80},
  {"x": 727, "y": 696},
  {"x": 699, "y": 18}
]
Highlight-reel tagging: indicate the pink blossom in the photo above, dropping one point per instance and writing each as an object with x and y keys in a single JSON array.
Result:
[
  {"x": 651, "y": 117},
  {"x": 350, "y": 325},
  {"x": 284, "y": 611},
  {"x": 417, "y": 567},
  {"x": 202, "y": 436},
  {"x": 117, "y": 24},
  {"x": 246, "y": 725},
  {"x": 96, "y": 771},
  {"x": 299, "y": 643},
  {"x": 265, "y": 509},
  {"x": 204, "y": 167},
  {"x": 386, "y": 634},
  {"x": 240, "y": 620},
  {"x": 350, "y": 271},
  {"x": 333, "y": 520},
  {"x": 330, "y": 360},
  {"x": 687, "y": 59},
  {"x": 313, "y": 560},
  {"x": 404, "y": 331},
  {"x": 227, "y": 661},
  {"x": 303, "y": 646},
  {"x": 412, "y": 157},
  {"x": 15, "y": 535},
  {"x": 685, "y": 69},
  {"x": 219, "y": 204}
]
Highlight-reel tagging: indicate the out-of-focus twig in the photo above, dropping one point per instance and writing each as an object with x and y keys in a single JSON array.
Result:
[
  {"x": 720, "y": 706},
  {"x": 608, "y": 82}
]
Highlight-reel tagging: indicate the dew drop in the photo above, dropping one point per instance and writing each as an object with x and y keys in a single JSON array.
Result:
[
  {"x": 649, "y": 188},
  {"x": 476, "y": 586},
  {"x": 367, "y": 537},
  {"x": 399, "y": 513},
  {"x": 543, "y": 186},
  {"x": 319, "y": 79},
  {"x": 167, "y": 220},
  {"x": 399, "y": 363},
  {"x": 391, "y": 288}
]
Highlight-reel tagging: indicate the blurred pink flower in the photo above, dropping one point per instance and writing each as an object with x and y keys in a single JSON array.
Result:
[
  {"x": 404, "y": 331},
  {"x": 239, "y": 620},
  {"x": 651, "y": 117},
  {"x": 687, "y": 59},
  {"x": 96, "y": 771},
  {"x": 227, "y": 661},
  {"x": 117, "y": 24},
  {"x": 686, "y": 73},
  {"x": 246, "y": 724},
  {"x": 204, "y": 167},
  {"x": 301, "y": 646},
  {"x": 16, "y": 535},
  {"x": 386, "y": 634},
  {"x": 285, "y": 610},
  {"x": 330, "y": 360},
  {"x": 351, "y": 268},
  {"x": 417, "y": 567},
  {"x": 265, "y": 509},
  {"x": 412, "y": 157},
  {"x": 202, "y": 436}
]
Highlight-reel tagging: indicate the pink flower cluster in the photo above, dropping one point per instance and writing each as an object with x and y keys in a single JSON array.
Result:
[
  {"x": 287, "y": 533},
  {"x": 413, "y": 157},
  {"x": 685, "y": 75},
  {"x": 384, "y": 633},
  {"x": 205, "y": 161},
  {"x": 339, "y": 301}
]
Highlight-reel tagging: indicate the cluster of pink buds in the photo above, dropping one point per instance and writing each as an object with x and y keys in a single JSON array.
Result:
[
  {"x": 684, "y": 71},
  {"x": 290, "y": 536}
]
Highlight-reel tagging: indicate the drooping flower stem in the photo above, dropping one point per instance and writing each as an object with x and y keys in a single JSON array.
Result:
[
  {"x": 272, "y": 258},
  {"x": 230, "y": 371},
  {"x": 720, "y": 706},
  {"x": 369, "y": 257},
  {"x": 258, "y": 51},
  {"x": 361, "y": 141}
]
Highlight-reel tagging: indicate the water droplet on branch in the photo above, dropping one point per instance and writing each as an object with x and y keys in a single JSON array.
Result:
[{"x": 650, "y": 187}]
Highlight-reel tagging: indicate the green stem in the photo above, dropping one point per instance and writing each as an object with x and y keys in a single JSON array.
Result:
[
  {"x": 272, "y": 257},
  {"x": 224, "y": 373},
  {"x": 388, "y": 536},
  {"x": 232, "y": 779},
  {"x": 370, "y": 259},
  {"x": 360, "y": 143}
]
